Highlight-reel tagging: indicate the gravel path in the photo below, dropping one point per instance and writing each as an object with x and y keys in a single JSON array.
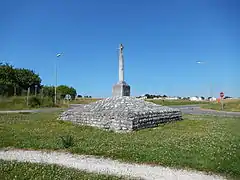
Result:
[{"x": 105, "y": 166}]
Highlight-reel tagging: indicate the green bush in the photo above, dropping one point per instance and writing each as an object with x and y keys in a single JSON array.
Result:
[
  {"x": 34, "y": 102},
  {"x": 47, "y": 102},
  {"x": 67, "y": 141}
]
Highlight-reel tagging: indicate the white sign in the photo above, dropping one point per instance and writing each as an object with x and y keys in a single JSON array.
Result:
[{"x": 68, "y": 97}]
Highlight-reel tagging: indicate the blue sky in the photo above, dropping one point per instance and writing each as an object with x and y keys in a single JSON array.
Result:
[{"x": 162, "y": 39}]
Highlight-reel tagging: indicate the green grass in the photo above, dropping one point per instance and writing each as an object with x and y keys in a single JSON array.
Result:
[
  {"x": 84, "y": 100},
  {"x": 175, "y": 102},
  {"x": 13, "y": 103},
  {"x": 10, "y": 170},
  {"x": 200, "y": 142},
  {"x": 20, "y": 103},
  {"x": 229, "y": 105},
  {"x": 156, "y": 101}
]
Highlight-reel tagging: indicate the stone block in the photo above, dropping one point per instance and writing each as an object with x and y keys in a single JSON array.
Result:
[{"x": 121, "y": 89}]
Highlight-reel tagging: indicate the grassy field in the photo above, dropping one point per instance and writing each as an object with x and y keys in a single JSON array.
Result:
[
  {"x": 161, "y": 102},
  {"x": 84, "y": 100},
  {"x": 229, "y": 105},
  {"x": 13, "y": 103},
  {"x": 10, "y": 170},
  {"x": 20, "y": 103},
  {"x": 175, "y": 102},
  {"x": 199, "y": 142}
]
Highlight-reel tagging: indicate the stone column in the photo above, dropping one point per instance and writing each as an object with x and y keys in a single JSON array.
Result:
[
  {"x": 121, "y": 88},
  {"x": 121, "y": 64}
]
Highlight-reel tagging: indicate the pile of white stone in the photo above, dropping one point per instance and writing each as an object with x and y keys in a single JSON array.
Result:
[{"x": 121, "y": 114}]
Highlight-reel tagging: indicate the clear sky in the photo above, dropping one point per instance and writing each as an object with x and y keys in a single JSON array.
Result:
[{"x": 163, "y": 39}]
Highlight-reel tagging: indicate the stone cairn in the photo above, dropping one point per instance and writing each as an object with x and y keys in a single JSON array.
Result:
[{"x": 121, "y": 113}]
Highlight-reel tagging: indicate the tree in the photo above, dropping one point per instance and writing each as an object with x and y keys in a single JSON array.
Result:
[
  {"x": 27, "y": 78},
  {"x": 12, "y": 78},
  {"x": 63, "y": 90},
  {"x": 7, "y": 79},
  {"x": 48, "y": 91}
]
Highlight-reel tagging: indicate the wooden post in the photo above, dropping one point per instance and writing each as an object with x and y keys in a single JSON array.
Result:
[
  {"x": 15, "y": 90},
  {"x": 222, "y": 103},
  {"x": 28, "y": 92},
  {"x": 35, "y": 90},
  {"x": 42, "y": 92}
]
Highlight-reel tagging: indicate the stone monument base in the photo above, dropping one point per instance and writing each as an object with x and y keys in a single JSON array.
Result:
[
  {"x": 121, "y": 89},
  {"x": 121, "y": 114}
]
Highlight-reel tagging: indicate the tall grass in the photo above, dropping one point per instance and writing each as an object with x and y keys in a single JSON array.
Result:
[{"x": 20, "y": 102}]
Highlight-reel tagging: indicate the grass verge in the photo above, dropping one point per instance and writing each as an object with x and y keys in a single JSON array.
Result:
[
  {"x": 175, "y": 102},
  {"x": 229, "y": 105},
  {"x": 20, "y": 103},
  {"x": 205, "y": 143},
  {"x": 24, "y": 170},
  {"x": 156, "y": 101},
  {"x": 84, "y": 100}
]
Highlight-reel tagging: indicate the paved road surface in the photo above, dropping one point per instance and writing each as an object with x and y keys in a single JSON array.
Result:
[
  {"x": 196, "y": 110},
  {"x": 186, "y": 109}
]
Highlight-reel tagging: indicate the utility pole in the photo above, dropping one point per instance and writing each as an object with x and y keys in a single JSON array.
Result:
[{"x": 55, "y": 89}]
